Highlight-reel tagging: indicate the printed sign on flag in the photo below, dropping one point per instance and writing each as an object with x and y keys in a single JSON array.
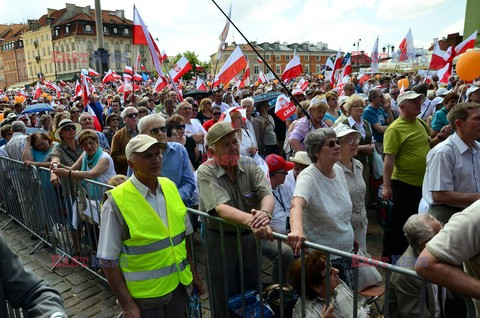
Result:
[{"x": 284, "y": 108}]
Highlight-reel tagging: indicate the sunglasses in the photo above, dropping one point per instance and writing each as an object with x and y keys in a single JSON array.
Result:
[
  {"x": 216, "y": 114},
  {"x": 132, "y": 115},
  {"x": 180, "y": 126},
  {"x": 350, "y": 141},
  {"x": 68, "y": 128},
  {"x": 115, "y": 119},
  {"x": 75, "y": 112},
  {"x": 156, "y": 131},
  {"x": 332, "y": 143}
]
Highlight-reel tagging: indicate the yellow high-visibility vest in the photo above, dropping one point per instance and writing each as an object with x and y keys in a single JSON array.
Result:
[{"x": 154, "y": 259}]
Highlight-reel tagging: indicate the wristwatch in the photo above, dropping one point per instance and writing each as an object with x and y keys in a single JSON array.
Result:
[{"x": 268, "y": 213}]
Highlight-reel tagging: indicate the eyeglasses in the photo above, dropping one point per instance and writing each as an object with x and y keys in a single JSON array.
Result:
[
  {"x": 186, "y": 108},
  {"x": 357, "y": 106},
  {"x": 180, "y": 126},
  {"x": 75, "y": 111},
  {"x": 132, "y": 115},
  {"x": 332, "y": 143},
  {"x": 216, "y": 114},
  {"x": 350, "y": 141},
  {"x": 114, "y": 119},
  {"x": 68, "y": 128},
  {"x": 157, "y": 130}
]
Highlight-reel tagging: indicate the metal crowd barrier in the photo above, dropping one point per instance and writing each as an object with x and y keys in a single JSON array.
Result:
[{"x": 67, "y": 218}]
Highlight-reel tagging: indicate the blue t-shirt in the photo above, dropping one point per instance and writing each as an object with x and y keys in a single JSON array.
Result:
[
  {"x": 375, "y": 116},
  {"x": 440, "y": 119}
]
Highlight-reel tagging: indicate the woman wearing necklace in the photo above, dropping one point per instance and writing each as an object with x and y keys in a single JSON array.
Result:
[
  {"x": 353, "y": 168},
  {"x": 93, "y": 164},
  {"x": 321, "y": 208}
]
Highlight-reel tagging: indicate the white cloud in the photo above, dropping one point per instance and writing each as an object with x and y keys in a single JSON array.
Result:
[
  {"x": 453, "y": 28},
  {"x": 406, "y": 9}
]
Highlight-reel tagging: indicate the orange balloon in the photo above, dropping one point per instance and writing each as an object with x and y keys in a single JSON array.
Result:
[
  {"x": 468, "y": 66},
  {"x": 403, "y": 82}
]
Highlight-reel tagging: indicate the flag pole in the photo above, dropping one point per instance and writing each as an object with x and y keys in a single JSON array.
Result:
[{"x": 292, "y": 98}]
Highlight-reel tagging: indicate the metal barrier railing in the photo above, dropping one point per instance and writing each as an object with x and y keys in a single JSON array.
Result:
[{"x": 67, "y": 218}]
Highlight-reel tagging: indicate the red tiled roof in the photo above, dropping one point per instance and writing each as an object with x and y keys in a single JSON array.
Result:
[
  {"x": 106, "y": 16},
  {"x": 12, "y": 32}
]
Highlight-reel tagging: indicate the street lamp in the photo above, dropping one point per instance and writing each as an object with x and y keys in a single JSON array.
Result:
[{"x": 357, "y": 44}]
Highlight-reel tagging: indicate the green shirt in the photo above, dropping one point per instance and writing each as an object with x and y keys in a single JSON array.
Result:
[{"x": 409, "y": 142}]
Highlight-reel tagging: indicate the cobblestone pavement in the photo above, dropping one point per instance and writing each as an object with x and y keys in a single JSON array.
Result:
[{"x": 86, "y": 295}]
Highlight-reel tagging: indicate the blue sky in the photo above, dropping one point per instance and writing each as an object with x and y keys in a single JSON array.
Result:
[{"x": 196, "y": 24}]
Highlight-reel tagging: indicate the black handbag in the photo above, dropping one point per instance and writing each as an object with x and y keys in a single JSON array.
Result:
[{"x": 271, "y": 295}]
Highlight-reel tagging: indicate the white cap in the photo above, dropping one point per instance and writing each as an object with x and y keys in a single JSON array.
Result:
[
  {"x": 141, "y": 143},
  {"x": 471, "y": 90},
  {"x": 442, "y": 91},
  {"x": 341, "y": 130},
  {"x": 406, "y": 96}
]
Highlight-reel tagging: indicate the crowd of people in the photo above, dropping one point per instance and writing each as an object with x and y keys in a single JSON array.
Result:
[{"x": 225, "y": 152}]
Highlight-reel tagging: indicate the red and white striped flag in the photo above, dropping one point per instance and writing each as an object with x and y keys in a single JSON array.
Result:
[
  {"x": 407, "y": 49},
  {"x": 259, "y": 60},
  {"x": 143, "y": 67},
  {"x": 137, "y": 62},
  {"x": 180, "y": 68},
  {"x": 137, "y": 77},
  {"x": 302, "y": 84},
  {"x": 439, "y": 57},
  {"x": 336, "y": 67},
  {"x": 62, "y": 83},
  {"x": 200, "y": 84},
  {"x": 78, "y": 89},
  {"x": 160, "y": 84},
  {"x": 293, "y": 69},
  {"x": 91, "y": 72},
  {"x": 246, "y": 78},
  {"x": 108, "y": 77},
  {"x": 468, "y": 43},
  {"x": 128, "y": 69},
  {"x": 233, "y": 65},
  {"x": 284, "y": 107},
  {"x": 347, "y": 69},
  {"x": 163, "y": 56},
  {"x": 262, "y": 78},
  {"x": 224, "y": 34},
  {"x": 38, "y": 91},
  {"x": 444, "y": 73}
]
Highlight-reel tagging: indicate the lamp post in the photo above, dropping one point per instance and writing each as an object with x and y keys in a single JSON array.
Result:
[
  {"x": 357, "y": 44},
  {"x": 388, "y": 48}
]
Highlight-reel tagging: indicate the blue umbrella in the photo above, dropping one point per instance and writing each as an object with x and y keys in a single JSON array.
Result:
[
  {"x": 271, "y": 97},
  {"x": 36, "y": 108}
]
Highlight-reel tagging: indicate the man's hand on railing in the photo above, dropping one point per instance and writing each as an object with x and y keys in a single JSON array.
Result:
[
  {"x": 62, "y": 172},
  {"x": 295, "y": 240},
  {"x": 260, "y": 218},
  {"x": 263, "y": 232},
  {"x": 28, "y": 163},
  {"x": 54, "y": 179}
]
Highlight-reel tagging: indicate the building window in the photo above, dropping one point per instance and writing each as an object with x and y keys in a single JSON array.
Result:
[
  {"x": 28, "y": 54},
  {"x": 267, "y": 58},
  {"x": 277, "y": 57},
  {"x": 67, "y": 29},
  {"x": 127, "y": 47},
  {"x": 307, "y": 69},
  {"x": 317, "y": 58},
  {"x": 48, "y": 49},
  {"x": 278, "y": 69},
  {"x": 118, "y": 58},
  {"x": 47, "y": 37},
  {"x": 256, "y": 69},
  {"x": 56, "y": 32},
  {"x": 88, "y": 28},
  {"x": 126, "y": 31},
  {"x": 105, "y": 30},
  {"x": 318, "y": 68},
  {"x": 106, "y": 45},
  {"x": 43, "y": 51},
  {"x": 50, "y": 68},
  {"x": 306, "y": 58},
  {"x": 115, "y": 30},
  {"x": 287, "y": 58}
]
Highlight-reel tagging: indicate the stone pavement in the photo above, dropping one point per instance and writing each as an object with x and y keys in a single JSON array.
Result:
[{"x": 86, "y": 295}]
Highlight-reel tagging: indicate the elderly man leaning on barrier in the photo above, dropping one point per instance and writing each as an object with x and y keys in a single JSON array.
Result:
[
  {"x": 405, "y": 291},
  {"x": 142, "y": 238},
  {"x": 235, "y": 189},
  {"x": 457, "y": 243}
]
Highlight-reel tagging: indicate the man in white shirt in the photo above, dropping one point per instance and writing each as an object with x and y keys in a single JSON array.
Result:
[
  {"x": 16, "y": 145},
  {"x": 247, "y": 103},
  {"x": 193, "y": 127},
  {"x": 218, "y": 100},
  {"x": 452, "y": 177}
]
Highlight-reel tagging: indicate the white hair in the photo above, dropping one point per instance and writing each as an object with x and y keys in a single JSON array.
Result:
[
  {"x": 247, "y": 99},
  {"x": 418, "y": 230},
  {"x": 144, "y": 122},
  {"x": 124, "y": 112}
]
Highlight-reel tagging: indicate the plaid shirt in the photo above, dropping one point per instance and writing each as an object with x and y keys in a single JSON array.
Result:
[
  {"x": 67, "y": 157},
  {"x": 342, "y": 301}
]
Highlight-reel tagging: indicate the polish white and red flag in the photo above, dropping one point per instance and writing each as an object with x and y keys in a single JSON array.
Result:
[
  {"x": 284, "y": 107},
  {"x": 180, "y": 68},
  {"x": 233, "y": 65},
  {"x": 137, "y": 77},
  {"x": 137, "y": 62},
  {"x": 128, "y": 69},
  {"x": 407, "y": 49},
  {"x": 163, "y": 56},
  {"x": 62, "y": 83},
  {"x": 337, "y": 65},
  {"x": 91, "y": 72},
  {"x": 200, "y": 84},
  {"x": 78, "y": 89},
  {"x": 54, "y": 87},
  {"x": 293, "y": 69},
  {"x": 223, "y": 35},
  {"x": 38, "y": 91},
  {"x": 160, "y": 84},
  {"x": 143, "y": 67},
  {"x": 468, "y": 43},
  {"x": 108, "y": 77},
  {"x": 139, "y": 32},
  {"x": 347, "y": 69},
  {"x": 246, "y": 78},
  {"x": 259, "y": 60},
  {"x": 262, "y": 78},
  {"x": 444, "y": 73},
  {"x": 374, "y": 57},
  {"x": 302, "y": 84},
  {"x": 439, "y": 58},
  {"x": 88, "y": 108}
]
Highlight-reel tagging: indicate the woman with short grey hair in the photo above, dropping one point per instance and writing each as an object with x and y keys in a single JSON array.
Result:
[{"x": 321, "y": 207}]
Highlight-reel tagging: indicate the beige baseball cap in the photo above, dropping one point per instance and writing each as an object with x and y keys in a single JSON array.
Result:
[
  {"x": 141, "y": 143},
  {"x": 218, "y": 131}
]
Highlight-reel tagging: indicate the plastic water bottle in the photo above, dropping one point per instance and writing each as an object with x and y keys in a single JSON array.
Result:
[{"x": 194, "y": 305}]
